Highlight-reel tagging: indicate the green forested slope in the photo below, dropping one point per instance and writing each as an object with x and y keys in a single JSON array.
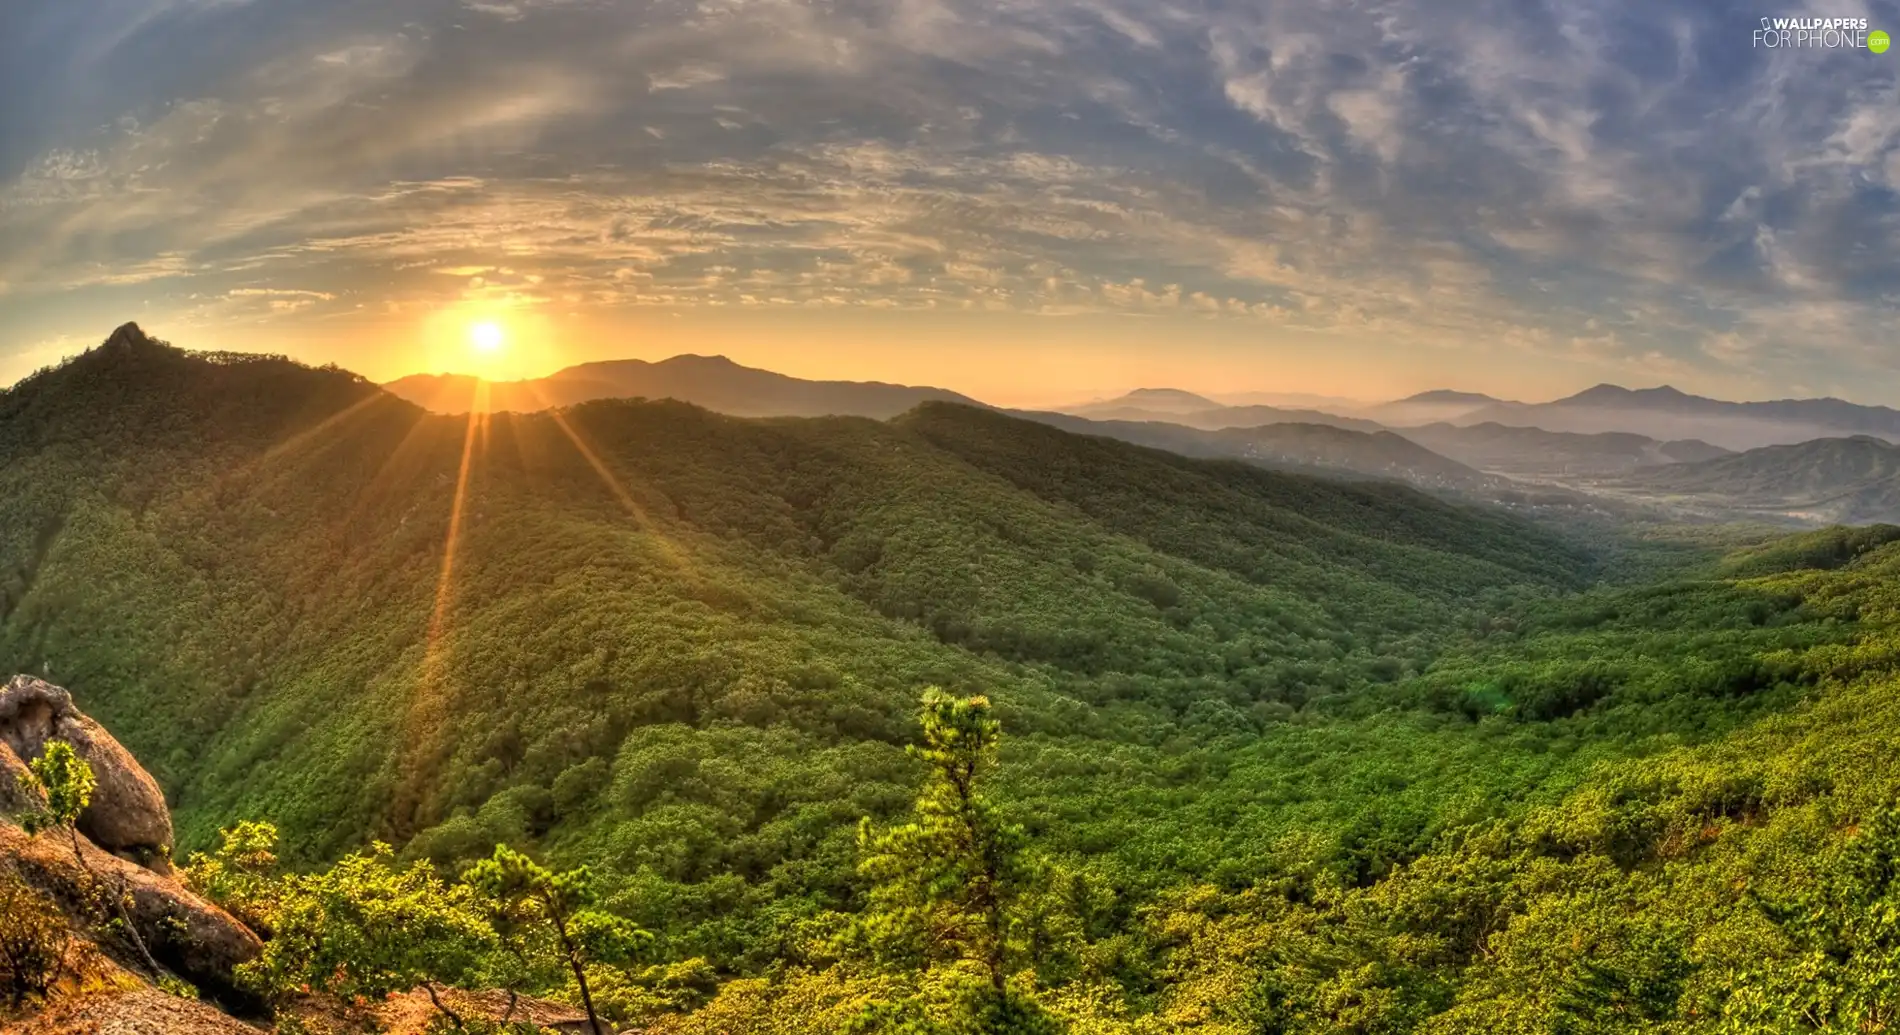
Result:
[
  {"x": 1306, "y": 756},
  {"x": 1669, "y": 809},
  {"x": 693, "y": 655}
]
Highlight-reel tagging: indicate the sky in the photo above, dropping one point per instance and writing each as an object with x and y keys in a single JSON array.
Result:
[{"x": 1026, "y": 200}]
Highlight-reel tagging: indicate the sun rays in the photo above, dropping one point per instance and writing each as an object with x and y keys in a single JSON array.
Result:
[
  {"x": 429, "y": 704},
  {"x": 445, "y": 582},
  {"x": 408, "y": 451}
]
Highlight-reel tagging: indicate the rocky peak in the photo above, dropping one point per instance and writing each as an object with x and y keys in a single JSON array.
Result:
[{"x": 128, "y": 336}]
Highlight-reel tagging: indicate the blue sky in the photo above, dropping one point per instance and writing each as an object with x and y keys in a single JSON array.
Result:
[{"x": 1354, "y": 198}]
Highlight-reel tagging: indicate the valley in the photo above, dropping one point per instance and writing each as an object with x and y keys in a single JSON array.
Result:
[
  {"x": 1302, "y": 733},
  {"x": 1591, "y": 454}
]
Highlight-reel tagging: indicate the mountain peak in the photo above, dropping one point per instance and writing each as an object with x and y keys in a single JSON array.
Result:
[
  {"x": 1613, "y": 395},
  {"x": 128, "y": 336},
  {"x": 1167, "y": 398},
  {"x": 1600, "y": 394},
  {"x": 1158, "y": 400}
]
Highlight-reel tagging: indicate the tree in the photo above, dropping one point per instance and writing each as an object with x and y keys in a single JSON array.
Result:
[
  {"x": 954, "y": 884},
  {"x": 241, "y": 875},
  {"x": 540, "y": 915},
  {"x": 368, "y": 928},
  {"x": 67, "y": 782}
]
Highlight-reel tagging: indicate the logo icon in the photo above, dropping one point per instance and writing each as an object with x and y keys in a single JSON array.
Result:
[{"x": 1877, "y": 41}]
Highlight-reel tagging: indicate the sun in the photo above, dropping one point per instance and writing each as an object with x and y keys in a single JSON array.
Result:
[{"x": 487, "y": 337}]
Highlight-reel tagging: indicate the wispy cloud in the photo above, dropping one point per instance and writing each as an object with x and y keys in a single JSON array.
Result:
[{"x": 1627, "y": 185}]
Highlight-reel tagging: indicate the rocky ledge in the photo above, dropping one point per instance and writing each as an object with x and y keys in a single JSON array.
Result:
[{"x": 125, "y": 842}]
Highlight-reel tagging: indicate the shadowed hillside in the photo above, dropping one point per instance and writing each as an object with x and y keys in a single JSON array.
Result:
[
  {"x": 1322, "y": 448},
  {"x": 1536, "y": 453}
]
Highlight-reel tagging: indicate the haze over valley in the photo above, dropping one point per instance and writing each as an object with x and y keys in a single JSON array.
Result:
[{"x": 1597, "y": 447}]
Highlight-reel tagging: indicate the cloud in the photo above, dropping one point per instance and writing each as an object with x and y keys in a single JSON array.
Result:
[{"x": 1624, "y": 184}]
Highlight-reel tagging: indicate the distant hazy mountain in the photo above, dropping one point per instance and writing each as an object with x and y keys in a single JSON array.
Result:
[
  {"x": 1155, "y": 400},
  {"x": 1853, "y": 480},
  {"x": 1666, "y": 413},
  {"x": 1449, "y": 397},
  {"x": 714, "y": 382},
  {"x": 1378, "y": 454},
  {"x": 1176, "y": 401},
  {"x": 1534, "y": 452},
  {"x": 1295, "y": 401},
  {"x": 1219, "y": 417},
  {"x": 1432, "y": 407}
]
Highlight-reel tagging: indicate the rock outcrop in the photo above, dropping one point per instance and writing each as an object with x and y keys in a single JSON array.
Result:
[
  {"x": 127, "y": 816},
  {"x": 123, "y": 849}
]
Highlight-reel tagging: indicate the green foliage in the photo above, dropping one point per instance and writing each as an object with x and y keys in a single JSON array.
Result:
[
  {"x": 544, "y": 918},
  {"x": 67, "y": 783},
  {"x": 175, "y": 986},
  {"x": 368, "y": 927},
  {"x": 34, "y": 944},
  {"x": 242, "y": 875},
  {"x": 1825, "y": 549}
]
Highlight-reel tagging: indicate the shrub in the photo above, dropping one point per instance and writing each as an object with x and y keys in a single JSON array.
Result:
[{"x": 34, "y": 941}]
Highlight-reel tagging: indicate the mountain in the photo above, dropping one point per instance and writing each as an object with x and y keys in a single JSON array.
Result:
[
  {"x": 1848, "y": 480},
  {"x": 715, "y": 382},
  {"x": 1295, "y": 401},
  {"x": 680, "y": 646},
  {"x": 1667, "y": 413},
  {"x": 1152, "y": 400},
  {"x": 1221, "y": 417},
  {"x": 1448, "y": 397},
  {"x": 1317, "y": 447},
  {"x": 1430, "y": 407},
  {"x": 1555, "y": 455},
  {"x": 1178, "y": 402}
]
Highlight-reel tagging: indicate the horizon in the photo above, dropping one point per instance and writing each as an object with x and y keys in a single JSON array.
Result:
[
  {"x": 1014, "y": 202},
  {"x": 1236, "y": 397}
]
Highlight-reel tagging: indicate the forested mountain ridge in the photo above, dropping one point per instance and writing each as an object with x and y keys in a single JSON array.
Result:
[
  {"x": 241, "y": 566},
  {"x": 1289, "y": 754}
]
